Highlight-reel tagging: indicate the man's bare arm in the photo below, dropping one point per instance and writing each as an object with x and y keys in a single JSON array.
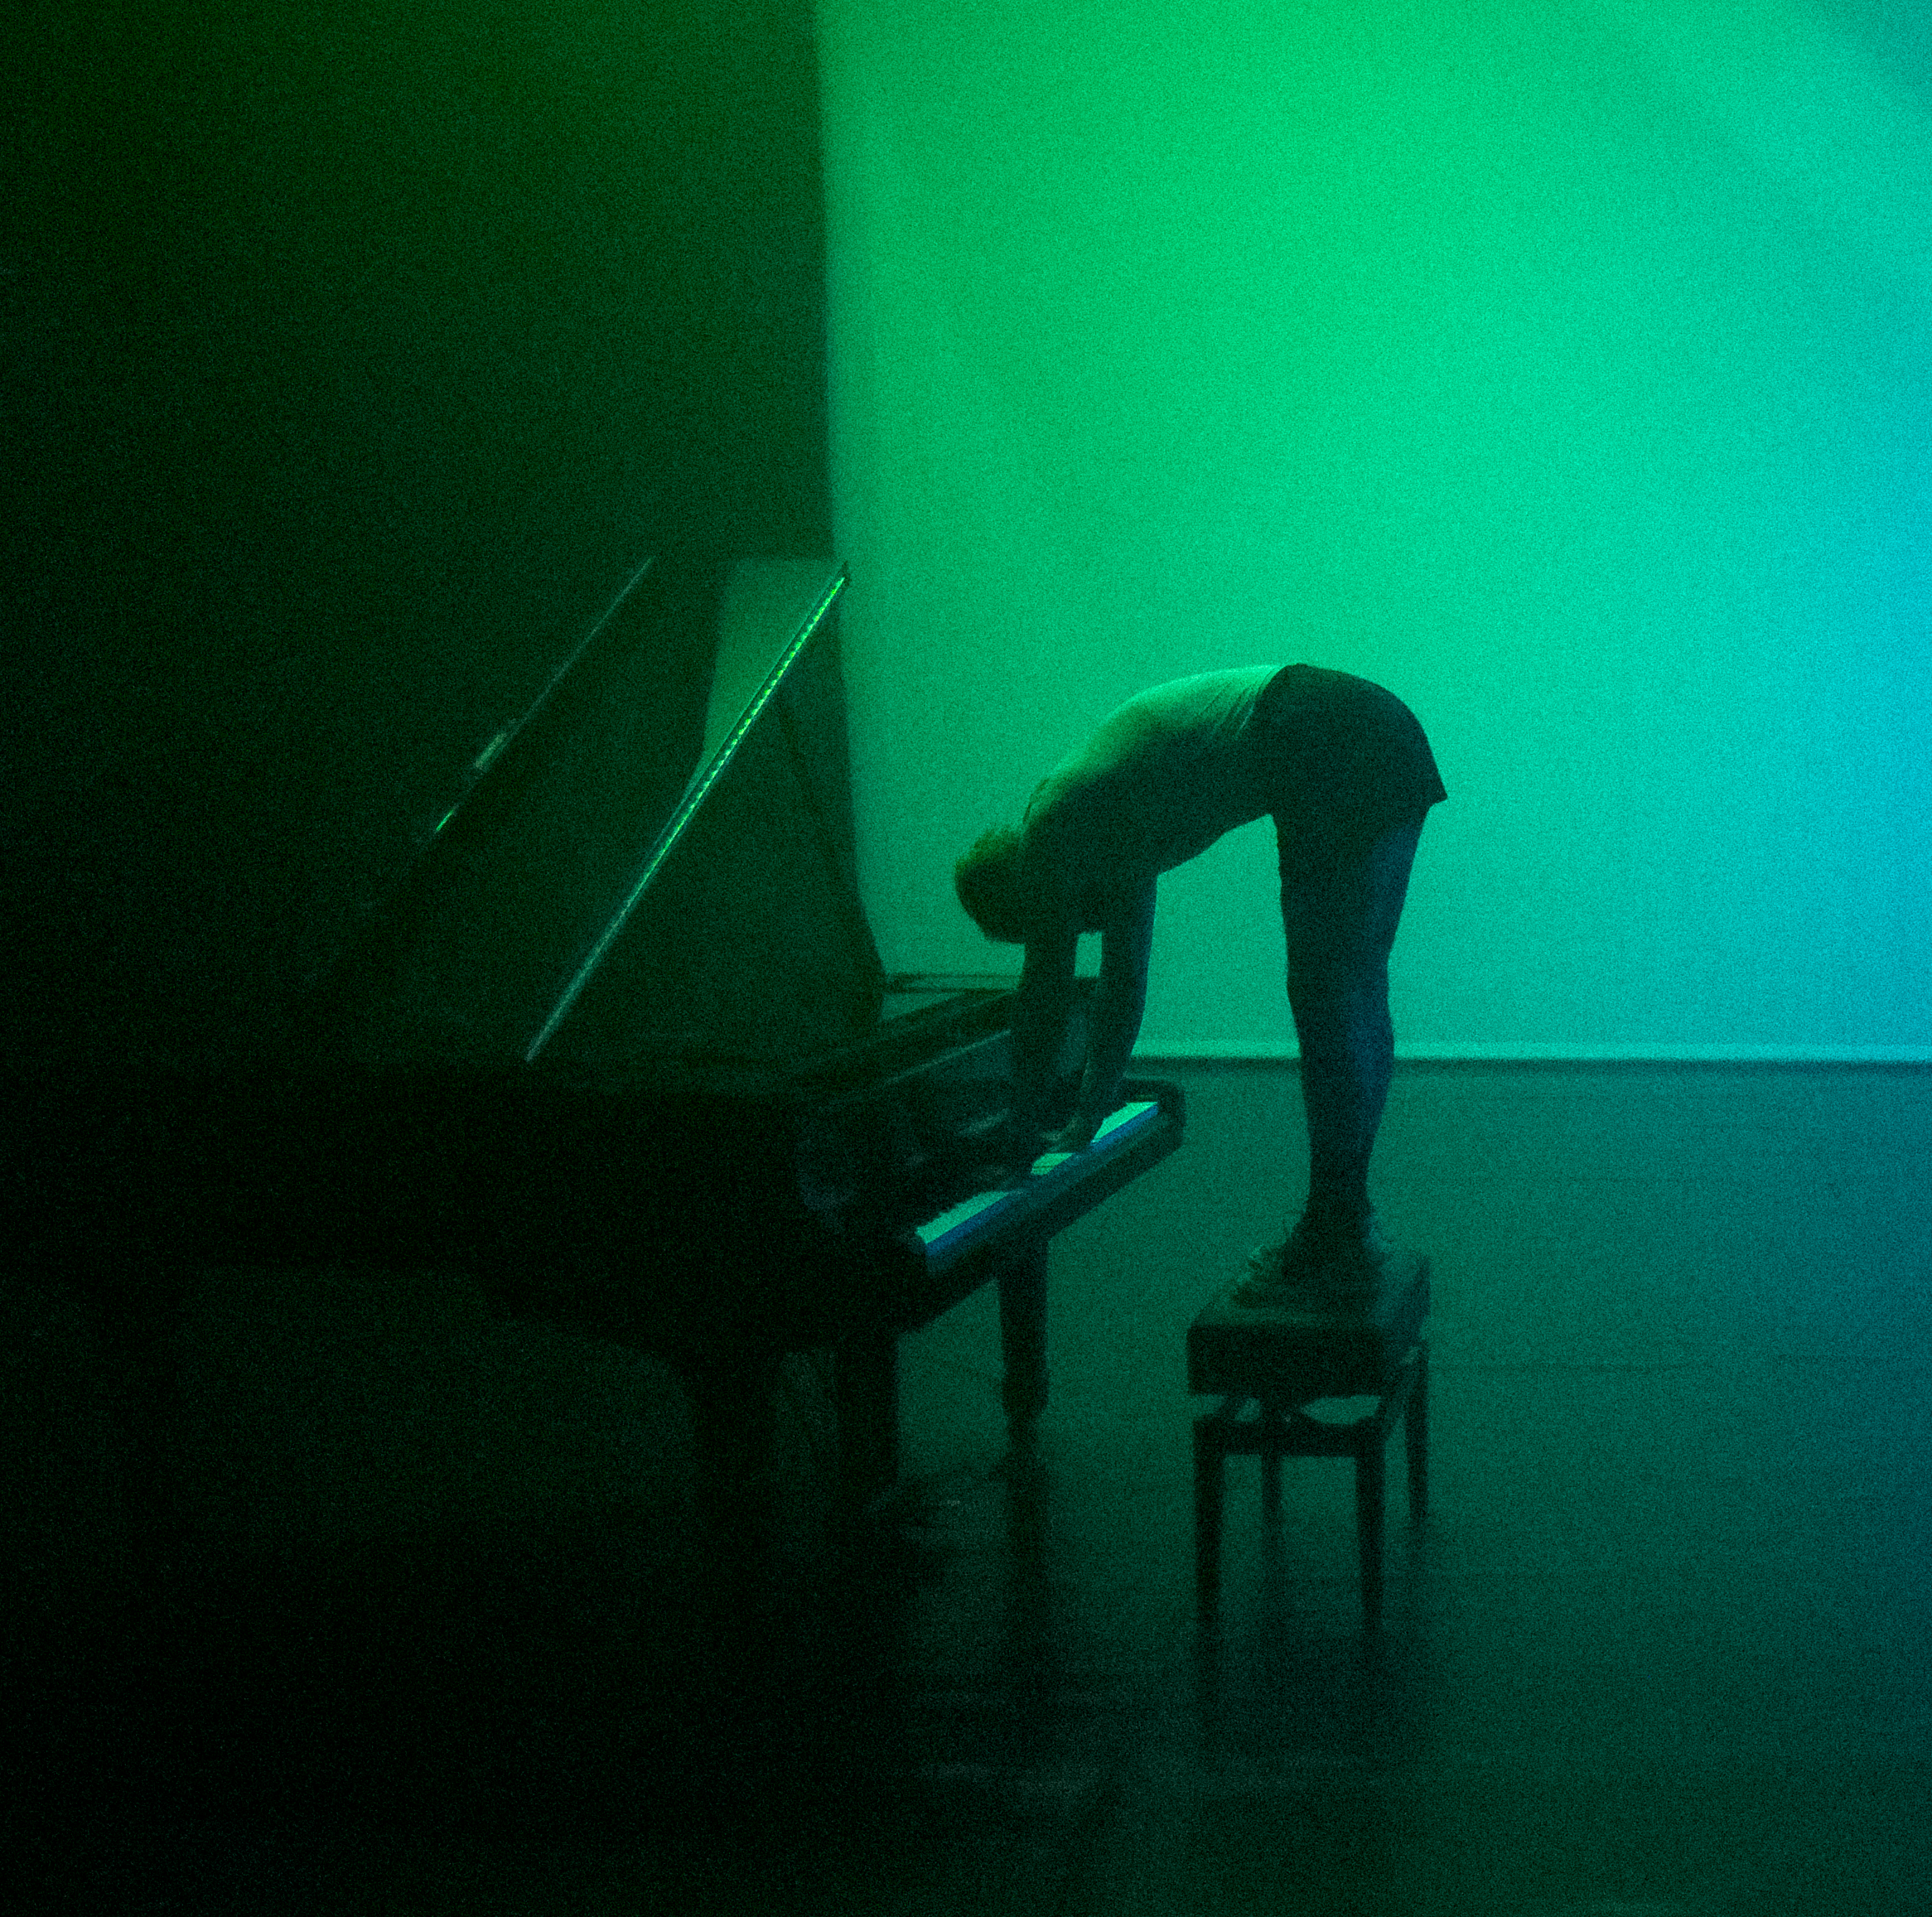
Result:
[
  {"x": 1041, "y": 1012},
  {"x": 1120, "y": 999}
]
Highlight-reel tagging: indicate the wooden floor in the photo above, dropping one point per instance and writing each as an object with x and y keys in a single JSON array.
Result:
[{"x": 1663, "y": 1646}]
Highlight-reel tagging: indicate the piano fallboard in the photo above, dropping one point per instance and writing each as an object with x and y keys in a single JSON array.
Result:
[{"x": 960, "y": 1245}]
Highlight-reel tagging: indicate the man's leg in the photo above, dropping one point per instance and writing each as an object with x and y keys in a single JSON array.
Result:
[{"x": 1340, "y": 915}]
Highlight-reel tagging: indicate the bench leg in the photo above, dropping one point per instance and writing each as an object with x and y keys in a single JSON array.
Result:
[
  {"x": 1369, "y": 1475},
  {"x": 1209, "y": 1486},
  {"x": 1271, "y": 1464},
  {"x": 1416, "y": 1434}
]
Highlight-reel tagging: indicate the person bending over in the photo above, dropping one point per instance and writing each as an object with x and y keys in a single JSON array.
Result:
[{"x": 1347, "y": 775}]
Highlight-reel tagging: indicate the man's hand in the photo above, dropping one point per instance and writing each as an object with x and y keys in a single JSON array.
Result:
[
  {"x": 1005, "y": 1155},
  {"x": 1073, "y": 1137},
  {"x": 1008, "y": 1155}
]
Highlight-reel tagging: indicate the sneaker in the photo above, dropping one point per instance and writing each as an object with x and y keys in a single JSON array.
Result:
[{"x": 1316, "y": 1266}]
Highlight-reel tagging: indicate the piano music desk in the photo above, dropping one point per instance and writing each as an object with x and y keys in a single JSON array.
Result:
[{"x": 1284, "y": 1360}]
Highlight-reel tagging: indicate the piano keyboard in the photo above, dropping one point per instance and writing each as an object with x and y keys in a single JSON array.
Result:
[{"x": 970, "y": 1221}]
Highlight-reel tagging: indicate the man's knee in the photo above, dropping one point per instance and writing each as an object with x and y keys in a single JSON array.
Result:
[{"x": 1326, "y": 983}]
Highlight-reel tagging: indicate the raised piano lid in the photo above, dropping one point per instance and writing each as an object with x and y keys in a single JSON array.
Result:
[
  {"x": 576, "y": 916},
  {"x": 771, "y": 612}
]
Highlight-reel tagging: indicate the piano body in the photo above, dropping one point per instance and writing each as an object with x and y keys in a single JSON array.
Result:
[{"x": 618, "y": 1044}]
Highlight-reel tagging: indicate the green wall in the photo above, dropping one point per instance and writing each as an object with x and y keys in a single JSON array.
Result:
[{"x": 1563, "y": 367}]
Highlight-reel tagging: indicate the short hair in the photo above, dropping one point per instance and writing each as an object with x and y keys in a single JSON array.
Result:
[{"x": 987, "y": 878}]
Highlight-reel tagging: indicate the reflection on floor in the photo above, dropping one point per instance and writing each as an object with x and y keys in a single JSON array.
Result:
[{"x": 1662, "y": 1647}]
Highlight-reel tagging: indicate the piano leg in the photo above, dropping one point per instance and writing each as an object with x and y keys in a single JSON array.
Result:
[
  {"x": 734, "y": 1423},
  {"x": 865, "y": 1383},
  {"x": 1022, "y": 1330}
]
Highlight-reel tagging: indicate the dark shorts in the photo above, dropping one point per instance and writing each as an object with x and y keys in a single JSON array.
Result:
[{"x": 1349, "y": 760}]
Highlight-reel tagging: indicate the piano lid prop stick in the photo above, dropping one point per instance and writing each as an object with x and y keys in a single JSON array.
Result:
[{"x": 701, "y": 782}]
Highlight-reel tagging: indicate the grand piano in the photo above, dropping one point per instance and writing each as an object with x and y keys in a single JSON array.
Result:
[{"x": 616, "y": 1042}]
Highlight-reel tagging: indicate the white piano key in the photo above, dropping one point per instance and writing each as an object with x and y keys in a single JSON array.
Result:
[
  {"x": 936, "y": 1231},
  {"x": 935, "y": 1228}
]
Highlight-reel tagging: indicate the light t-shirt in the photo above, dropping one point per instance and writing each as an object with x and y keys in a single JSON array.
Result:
[{"x": 1164, "y": 777}]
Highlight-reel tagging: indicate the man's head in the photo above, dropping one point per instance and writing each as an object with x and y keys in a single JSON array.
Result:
[{"x": 988, "y": 880}]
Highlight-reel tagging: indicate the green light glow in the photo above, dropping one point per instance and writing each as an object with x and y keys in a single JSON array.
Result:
[{"x": 1565, "y": 370}]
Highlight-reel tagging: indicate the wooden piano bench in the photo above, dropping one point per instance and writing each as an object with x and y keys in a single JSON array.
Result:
[{"x": 1281, "y": 1360}]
